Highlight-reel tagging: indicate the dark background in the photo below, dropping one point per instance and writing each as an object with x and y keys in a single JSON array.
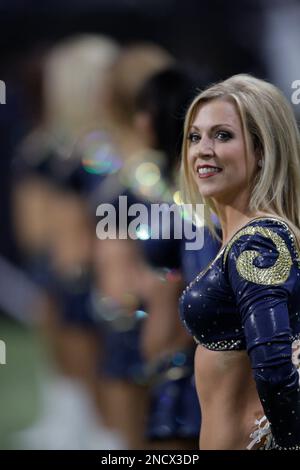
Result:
[{"x": 223, "y": 36}]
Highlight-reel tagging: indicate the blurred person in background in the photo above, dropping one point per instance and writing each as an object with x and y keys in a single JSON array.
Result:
[
  {"x": 118, "y": 267},
  {"x": 53, "y": 225},
  {"x": 74, "y": 87}
]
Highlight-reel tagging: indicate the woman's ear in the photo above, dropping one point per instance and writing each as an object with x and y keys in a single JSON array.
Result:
[{"x": 258, "y": 155}]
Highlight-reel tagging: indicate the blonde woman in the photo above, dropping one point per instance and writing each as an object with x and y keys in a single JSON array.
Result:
[
  {"x": 53, "y": 224},
  {"x": 241, "y": 158}
]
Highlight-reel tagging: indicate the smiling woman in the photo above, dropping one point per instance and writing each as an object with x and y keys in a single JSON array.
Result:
[{"x": 241, "y": 157}]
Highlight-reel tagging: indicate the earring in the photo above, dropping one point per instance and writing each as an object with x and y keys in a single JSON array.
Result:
[{"x": 259, "y": 163}]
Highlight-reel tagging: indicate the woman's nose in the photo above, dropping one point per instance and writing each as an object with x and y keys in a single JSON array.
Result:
[{"x": 205, "y": 147}]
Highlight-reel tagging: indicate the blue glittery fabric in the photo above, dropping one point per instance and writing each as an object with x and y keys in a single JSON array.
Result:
[
  {"x": 249, "y": 298},
  {"x": 174, "y": 411}
]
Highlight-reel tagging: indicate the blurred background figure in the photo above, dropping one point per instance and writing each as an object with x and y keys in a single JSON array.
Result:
[
  {"x": 53, "y": 226},
  {"x": 118, "y": 266}
]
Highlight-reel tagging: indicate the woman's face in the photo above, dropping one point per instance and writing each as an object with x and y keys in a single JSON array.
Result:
[{"x": 217, "y": 153}]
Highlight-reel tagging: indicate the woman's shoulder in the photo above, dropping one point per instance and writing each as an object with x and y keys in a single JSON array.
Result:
[{"x": 267, "y": 234}]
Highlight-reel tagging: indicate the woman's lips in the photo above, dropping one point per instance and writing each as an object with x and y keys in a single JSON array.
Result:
[{"x": 207, "y": 171}]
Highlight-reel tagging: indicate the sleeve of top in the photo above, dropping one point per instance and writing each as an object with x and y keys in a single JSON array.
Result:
[{"x": 262, "y": 270}]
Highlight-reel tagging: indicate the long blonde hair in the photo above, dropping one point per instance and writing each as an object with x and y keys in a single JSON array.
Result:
[{"x": 269, "y": 124}]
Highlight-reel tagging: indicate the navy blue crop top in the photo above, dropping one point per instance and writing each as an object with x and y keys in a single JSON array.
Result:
[{"x": 249, "y": 298}]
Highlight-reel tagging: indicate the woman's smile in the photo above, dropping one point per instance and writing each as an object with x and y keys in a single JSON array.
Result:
[{"x": 207, "y": 171}]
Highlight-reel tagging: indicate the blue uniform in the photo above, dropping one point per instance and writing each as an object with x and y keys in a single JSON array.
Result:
[{"x": 248, "y": 298}]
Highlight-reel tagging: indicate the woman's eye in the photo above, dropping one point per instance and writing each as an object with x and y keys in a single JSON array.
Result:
[
  {"x": 223, "y": 135},
  {"x": 193, "y": 137}
]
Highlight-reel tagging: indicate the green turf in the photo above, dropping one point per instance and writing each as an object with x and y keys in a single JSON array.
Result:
[{"x": 19, "y": 377}]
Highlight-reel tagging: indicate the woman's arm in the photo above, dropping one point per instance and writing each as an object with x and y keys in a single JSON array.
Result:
[{"x": 263, "y": 270}]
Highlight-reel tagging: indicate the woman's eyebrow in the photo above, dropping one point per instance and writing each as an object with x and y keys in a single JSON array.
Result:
[{"x": 215, "y": 126}]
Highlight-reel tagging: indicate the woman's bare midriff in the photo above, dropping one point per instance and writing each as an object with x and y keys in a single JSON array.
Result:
[{"x": 228, "y": 397}]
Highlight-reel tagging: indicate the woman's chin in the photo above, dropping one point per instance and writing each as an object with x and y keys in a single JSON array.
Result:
[{"x": 208, "y": 192}]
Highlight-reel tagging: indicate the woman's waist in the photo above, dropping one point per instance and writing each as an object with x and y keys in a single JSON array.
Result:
[
  {"x": 221, "y": 411},
  {"x": 230, "y": 413},
  {"x": 224, "y": 377}
]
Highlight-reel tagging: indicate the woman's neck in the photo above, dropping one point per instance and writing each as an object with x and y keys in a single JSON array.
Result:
[{"x": 234, "y": 218}]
